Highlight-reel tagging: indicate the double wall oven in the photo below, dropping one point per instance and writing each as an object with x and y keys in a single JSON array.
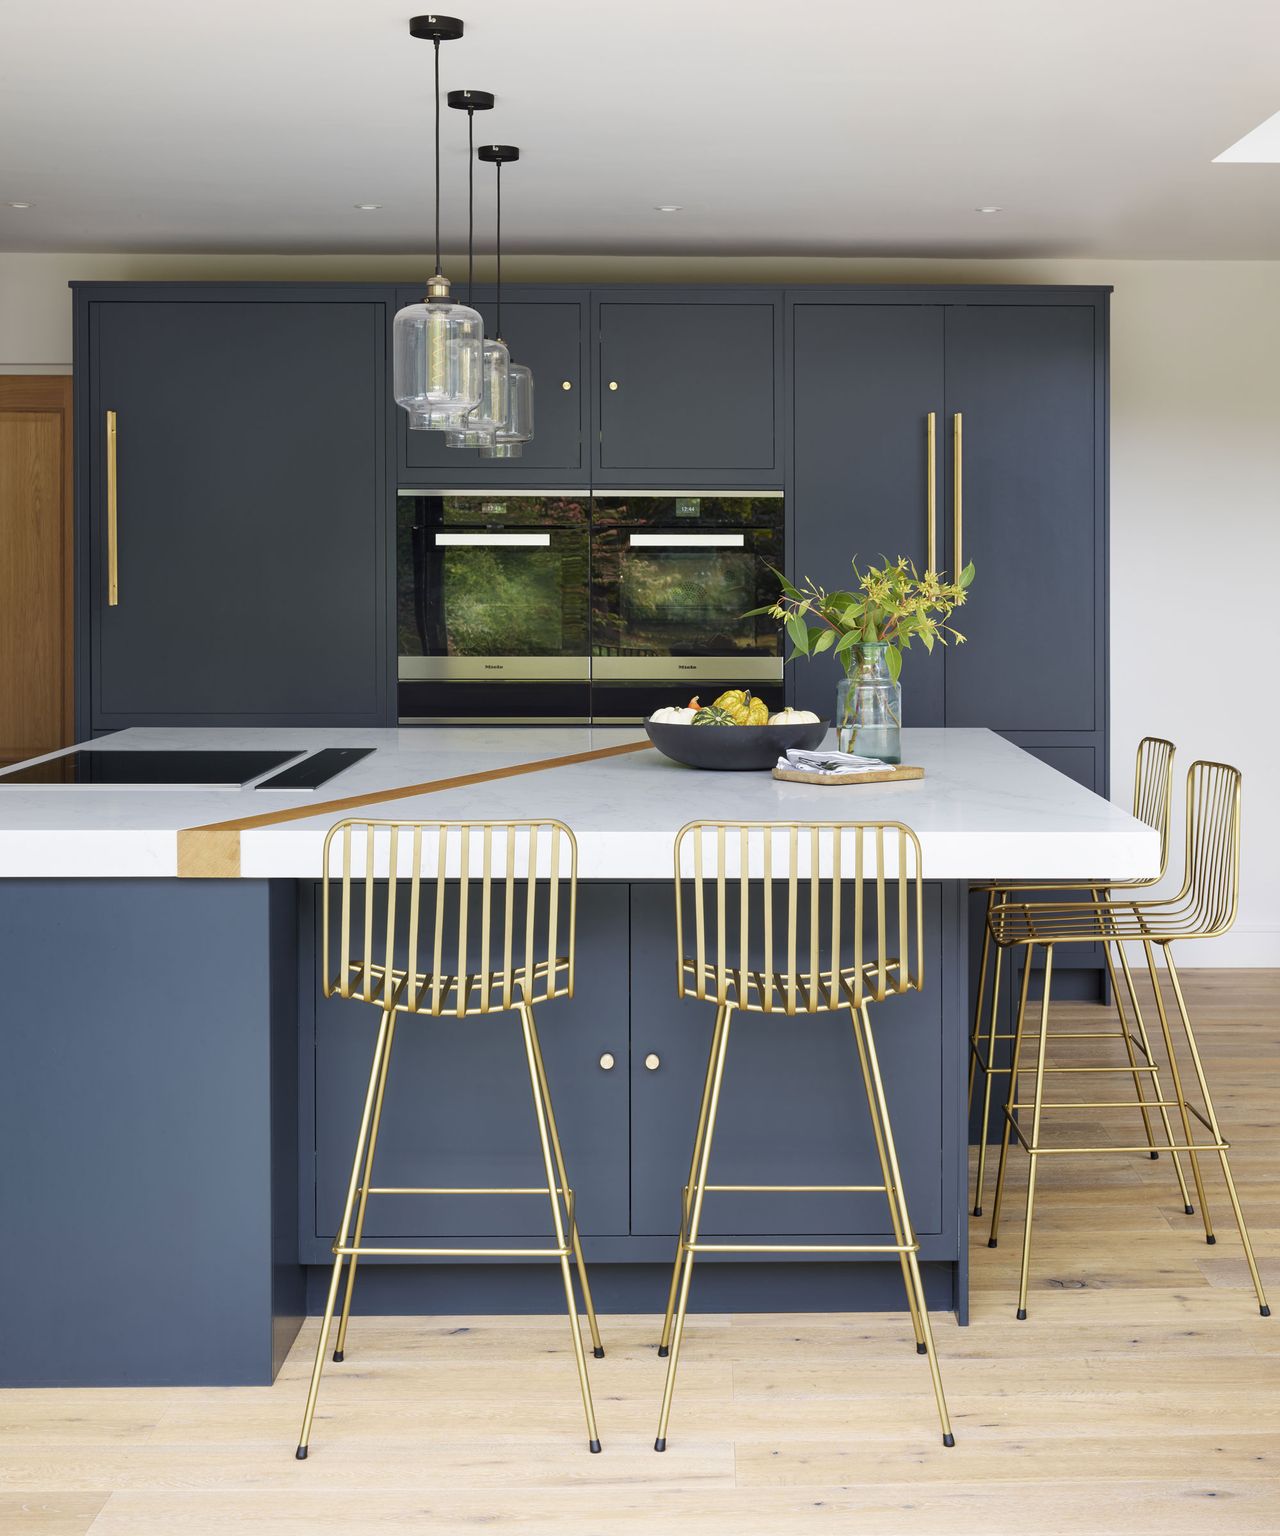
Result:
[{"x": 559, "y": 606}]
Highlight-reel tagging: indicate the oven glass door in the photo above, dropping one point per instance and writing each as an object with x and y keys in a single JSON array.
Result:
[
  {"x": 659, "y": 593},
  {"x": 478, "y": 602}
]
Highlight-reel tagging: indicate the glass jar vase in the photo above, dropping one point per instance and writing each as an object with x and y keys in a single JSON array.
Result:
[{"x": 869, "y": 706}]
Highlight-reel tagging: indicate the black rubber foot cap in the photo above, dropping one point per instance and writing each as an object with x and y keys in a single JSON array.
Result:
[
  {"x": 1154, "y": 1156},
  {"x": 660, "y": 1444},
  {"x": 338, "y": 1357},
  {"x": 948, "y": 1439},
  {"x": 922, "y": 1349},
  {"x": 1264, "y": 1311},
  {"x": 663, "y": 1351},
  {"x": 991, "y": 1242},
  {"x": 977, "y": 1210},
  {"x": 1211, "y": 1239},
  {"x": 1022, "y": 1314},
  {"x": 598, "y": 1352},
  {"x": 301, "y": 1453},
  {"x": 1189, "y": 1209},
  {"x": 594, "y": 1447}
]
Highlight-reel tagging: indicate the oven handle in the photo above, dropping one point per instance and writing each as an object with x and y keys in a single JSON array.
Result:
[
  {"x": 688, "y": 540},
  {"x": 502, "y": 540}
]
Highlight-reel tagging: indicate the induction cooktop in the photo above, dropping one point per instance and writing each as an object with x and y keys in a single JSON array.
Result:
[{"x": 129, "y": 768}]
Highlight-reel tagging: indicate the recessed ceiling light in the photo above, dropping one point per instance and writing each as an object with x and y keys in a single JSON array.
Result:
[
  {"x": 989, "y": 208},
  {"x": 668, "y": 208},
  {"x": 1260, "y": 146},
  {"x": 368, "y": 207},
  {"x": 21, "y": 205}
]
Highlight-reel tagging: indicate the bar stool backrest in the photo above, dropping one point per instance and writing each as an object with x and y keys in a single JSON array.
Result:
[
  {"x": 852, "y": 930},
  {"x": 1211, "y": 886},
  {"x": 1153, "y": 795},
  {"x": 474, "y": 916}
]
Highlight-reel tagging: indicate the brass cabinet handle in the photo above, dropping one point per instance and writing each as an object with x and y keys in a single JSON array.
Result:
[
  {"x": 613, "y": 383},
  {"x": 653, "y": 1061},
  {"x": 607, "y": 1062},
  {"x": 566, "y": 383},
  {"x": 931, "y": 488},
  {"x": 113, "y": 513},
  {"x": 957, "y": 424}
]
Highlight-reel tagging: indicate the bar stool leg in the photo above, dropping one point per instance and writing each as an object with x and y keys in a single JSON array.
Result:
[
  {"x": 699, "y": 1180},
  {"x": 897, "y": 1198},
  {"x": 1210, "y": 1112},
  {"x": 1178, "y": 1093},
  {"x": 575, "y": 1240},
  {"x": 1014, "y": 1063},
  {"x": 986, "y": 1090},
  {"x": 976, "y": 1034},
  {"x": 1034, "y": 1148},
  {"x": 361, "y": 1139},
  {"x": 900, "y": 1235},
  {"x": 678, "y": 1265},
  {"x": 526, "y": 1024},
  {"x": 340, "y": 1347},
  {"x": 1144, "y": 1040}
]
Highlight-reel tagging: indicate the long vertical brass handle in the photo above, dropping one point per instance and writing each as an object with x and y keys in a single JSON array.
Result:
[
  {"x": 958, "y": 471},
  {"x": 113, "y": 513},
  {"x": 931, "y": 488}
]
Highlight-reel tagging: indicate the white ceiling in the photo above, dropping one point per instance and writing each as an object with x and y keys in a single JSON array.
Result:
[{"x": 823, "y": 126}]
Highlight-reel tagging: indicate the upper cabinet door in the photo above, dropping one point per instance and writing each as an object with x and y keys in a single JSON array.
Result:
[
  {"x": 867, "y": 388},
  {"x": 688, "y": 390},
  {"x": 250, "y": 461},
  {"x": 547, "y": 335},
  {"x": 1026, "y": 383}
]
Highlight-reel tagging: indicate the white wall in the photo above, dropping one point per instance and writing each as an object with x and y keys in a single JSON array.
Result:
[{"x": 1195, "y": 481}]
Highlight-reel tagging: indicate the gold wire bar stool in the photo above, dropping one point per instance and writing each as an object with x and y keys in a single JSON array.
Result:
[
  {"x": 1152, "y": 796},
  {"x": 1204, "y": 908},
  {"x": 480, "y": 918},
  {"x": 848, "y": 941}
]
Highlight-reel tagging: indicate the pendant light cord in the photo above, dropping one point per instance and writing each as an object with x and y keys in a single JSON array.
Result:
[
  {"x": 471, "y": 204},
  {"x": 498, "y": 253},
  {"x": 437, "y": 48}
]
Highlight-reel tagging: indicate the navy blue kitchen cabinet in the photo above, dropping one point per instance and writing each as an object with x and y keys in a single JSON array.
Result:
[
  {"x": 867, "y": 413},
  {"x": 545, "y": 328},
  {"x": 251, "y": 454},
  {"x": 458, "y": 1110},
  {"x": 688, "y": 387},
  {"x": 792, "y": 1106}
]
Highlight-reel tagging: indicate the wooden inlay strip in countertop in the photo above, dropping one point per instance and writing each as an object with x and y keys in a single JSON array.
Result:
[{"x": 212, "y": 852}]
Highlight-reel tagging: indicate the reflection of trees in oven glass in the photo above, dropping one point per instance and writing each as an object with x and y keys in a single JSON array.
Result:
[
  {"x": 503, "y": 602},
  {"x": 684, "y": 589}
]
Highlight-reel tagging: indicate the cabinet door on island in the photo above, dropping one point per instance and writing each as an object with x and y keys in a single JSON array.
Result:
[
  {"x": 458, "y": 1110},
  {"x": 236, "y": 479}
]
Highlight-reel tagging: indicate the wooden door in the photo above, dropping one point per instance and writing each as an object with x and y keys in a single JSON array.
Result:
[{"x": 35, "y": 566}]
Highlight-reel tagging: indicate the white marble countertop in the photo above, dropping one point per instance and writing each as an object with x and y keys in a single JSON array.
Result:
[{"x": 985, "y": 808}]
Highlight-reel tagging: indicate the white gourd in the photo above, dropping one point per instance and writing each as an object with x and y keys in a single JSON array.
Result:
[
  {"x": 794, "y": 717},
  {"x": 673, "y": 716}
]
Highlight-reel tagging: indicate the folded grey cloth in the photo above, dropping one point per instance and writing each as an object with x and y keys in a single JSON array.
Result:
[{"x": 837, "y": 764}]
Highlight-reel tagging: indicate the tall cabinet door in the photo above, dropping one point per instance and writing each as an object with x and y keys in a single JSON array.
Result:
[
  {"x": 1025, "y": 385},
  {"x": 867, "y": 378},
  {"x": 249, "y": 467}
]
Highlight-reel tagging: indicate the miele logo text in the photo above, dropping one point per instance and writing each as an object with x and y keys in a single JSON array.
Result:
[{"x": 494, "y": 666}]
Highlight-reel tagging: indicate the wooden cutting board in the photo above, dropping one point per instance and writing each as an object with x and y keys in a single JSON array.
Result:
[{"x": 872, "y": 776}]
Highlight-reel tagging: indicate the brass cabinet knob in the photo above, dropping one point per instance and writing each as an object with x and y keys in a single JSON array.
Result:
[
  {"x": 607, "y": 1062},
  {"x": 613, "y": 383},
  {"x": 653, "y": 1061},
  {"x": 566, "y": 384}
]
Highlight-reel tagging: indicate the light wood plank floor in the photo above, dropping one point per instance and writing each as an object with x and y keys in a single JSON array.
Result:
[{"x": 1141, "y": 1396}]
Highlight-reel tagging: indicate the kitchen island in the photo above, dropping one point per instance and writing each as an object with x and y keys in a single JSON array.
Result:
[{"x": 179, "y": 1100}]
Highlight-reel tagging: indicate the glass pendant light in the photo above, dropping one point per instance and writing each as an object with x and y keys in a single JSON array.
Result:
[
  {"x": 478, "y": 428},
  {"x": 437, "y": 345},
  {"x": 515, "y": 428}
]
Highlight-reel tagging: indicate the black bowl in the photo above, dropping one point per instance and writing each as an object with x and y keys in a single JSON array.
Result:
[{"x": 733, "y": 747}]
